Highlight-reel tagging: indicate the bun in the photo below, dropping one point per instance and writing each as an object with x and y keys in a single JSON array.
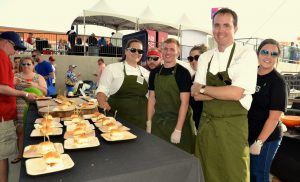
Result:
[
  {"x": 46, "y": 130},
  {"x": 81, "y": 139},
  {"x": 98, "y": 115},
  {"x": 47, "y": 123},
  {"x": 74, "y": 116},
  {"x": 45, "y": 147},
  {"x": 53, "y": 160},
  {"x": 116, "y": 134},
  {"x": 79, "y": 131},
  {"x": 111, "y": 126},
  {"x": 48, "y": 116}
]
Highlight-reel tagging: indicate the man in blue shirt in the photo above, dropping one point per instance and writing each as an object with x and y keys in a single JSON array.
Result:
[{"x": 45, "y": 69}]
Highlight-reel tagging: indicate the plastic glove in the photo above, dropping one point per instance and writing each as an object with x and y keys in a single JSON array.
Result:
[
  {"x": 148, "y": 126},
  {"x": 175, "y": 137},
  {"x": 255, "y": 148}
]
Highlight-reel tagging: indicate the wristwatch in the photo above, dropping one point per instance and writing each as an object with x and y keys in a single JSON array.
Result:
[
  {"x": 202, "y": 90},
  {"x": 259, "y": 142}
]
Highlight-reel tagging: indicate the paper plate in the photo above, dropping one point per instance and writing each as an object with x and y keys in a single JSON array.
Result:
[
  {"x": 73, "y": 126},
  {"x": 37, "y": 166},
  {"x": 31, "y": 150},
  {"x": 126, "y": 136},
  {"x": 69, "y": 134},
  {"x": 55, "y": 125},
  {"x": 37, "y": 133},
  {"x": 69, "y": 143}
]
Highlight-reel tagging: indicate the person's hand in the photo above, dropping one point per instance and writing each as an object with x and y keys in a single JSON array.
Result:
[
  {"x": 30, "y": 96},
  {"x": 78, "y": 74},
  {"x": 175, "y": 137},
  {"x": 105, "y": 105},
  {"x": 148, "y": 126},
  {"x": 255, "y": 148},
  {"x": 195, "y": 89}
]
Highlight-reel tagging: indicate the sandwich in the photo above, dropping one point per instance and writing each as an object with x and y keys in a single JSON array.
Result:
[
  {"x": 46, "y": 131},
  {"x": 116, "y": 134},
  {"x": 45, "y": 147},
  {"x": 53, "y": 161},
  {"x": 81, "y": 139}
]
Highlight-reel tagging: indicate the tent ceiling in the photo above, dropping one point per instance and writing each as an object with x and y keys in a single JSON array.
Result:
[
  {"x": 112, "y": 22},
  {"x": 118, "y": 23}
]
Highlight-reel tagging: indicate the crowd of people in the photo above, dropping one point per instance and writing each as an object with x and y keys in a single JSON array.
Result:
[{"x": 226, "y": 114}]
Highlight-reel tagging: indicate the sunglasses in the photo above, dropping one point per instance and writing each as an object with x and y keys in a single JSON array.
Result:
[
  {"x": 12, "y": 43},
  {"x": 133, "y": 50},
  {"x": 26, "y": 64},
  {"x": 152, "y": 58},
  {"x": 266, "y": 52},
  {"x": 227, "y": 82},
  {"x": 191, "y": 58},
  {"x": 33, "y": 56}
]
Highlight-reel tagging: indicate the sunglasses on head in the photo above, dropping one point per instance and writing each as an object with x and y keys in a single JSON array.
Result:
[
  {"x": 227, "y": 82},
  {"x": 133, "y": 50},
  {"x": 152, "y": 58},
  {"x": 266, "y": 52},
  {"x": 192, "y": 58},
  {"x": 26, "y": 64}
]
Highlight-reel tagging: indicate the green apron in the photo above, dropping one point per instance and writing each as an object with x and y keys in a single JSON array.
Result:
[
  {"x": 130, "y": 101},
  {"x": 167, "y": 106},
  {"x": 221, "y": 143}
]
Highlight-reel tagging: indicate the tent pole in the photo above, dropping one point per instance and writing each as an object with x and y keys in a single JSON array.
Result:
[{"x": 84, "y": 46}]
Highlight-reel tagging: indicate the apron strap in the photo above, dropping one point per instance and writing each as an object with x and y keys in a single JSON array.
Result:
[{"x": 229, "y": 60}]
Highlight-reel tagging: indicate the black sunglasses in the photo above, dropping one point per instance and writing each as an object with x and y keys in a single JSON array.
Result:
[
  {"x": 266, "y": 52},
  {"x": 227, "y": 82},
  {"x": 152, "y": 58},
  {"x": 133, "y": 50},
  {"x": 33, "y": 56},
  {"x": 26, "y": 64},
  {"x": 191, "y": 58}
]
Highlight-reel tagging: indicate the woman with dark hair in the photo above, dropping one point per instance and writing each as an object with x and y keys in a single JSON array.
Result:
[
  {"x": 197, "y": 106},
  {"x": 269, "y": 102},
  {"x": 123, "y": 86},
  {"x": 29, "y": 81}
]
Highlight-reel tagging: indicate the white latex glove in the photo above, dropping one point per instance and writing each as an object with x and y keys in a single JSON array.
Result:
[
  {"x": 175, "y": 137},
  {"x": 255, "y": 148},
  {"x": 148, "y": 126}
]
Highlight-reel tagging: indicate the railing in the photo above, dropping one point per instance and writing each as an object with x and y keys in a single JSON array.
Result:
[{"x": 51, "y": 43}]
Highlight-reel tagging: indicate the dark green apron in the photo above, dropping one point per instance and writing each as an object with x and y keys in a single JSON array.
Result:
[
  {"x": 167, "y": 106},
  {"x": 130, "y": 101},
  {"x": 221, "y": 143}
]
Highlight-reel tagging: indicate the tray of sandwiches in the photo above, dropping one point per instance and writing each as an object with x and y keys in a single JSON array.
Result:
[
  {"x": 117, "y": 135},
  {"x": 42, "y": 148},
  {"x": 81, "y": 141},
  {"x": 51, "y": 162}
]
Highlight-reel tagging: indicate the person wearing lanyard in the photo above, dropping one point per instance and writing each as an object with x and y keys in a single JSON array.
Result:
[
  {"x": 269, "y": 102},
  {"x": 169, "y": 114},
  {"x": 123, "y": 86},
  {"x": 225, "y": 79},
  {"x": 9, "y": 43}
]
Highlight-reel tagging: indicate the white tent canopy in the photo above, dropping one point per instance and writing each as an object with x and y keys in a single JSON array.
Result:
[
  {"x": 264, "y": 19},
  {"x": 103, "y": 15}
]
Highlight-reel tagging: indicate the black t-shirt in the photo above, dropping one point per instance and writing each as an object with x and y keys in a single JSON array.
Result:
[
  {"x": 182, "y": 77},
  {"x": 270, "y": 94}
]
